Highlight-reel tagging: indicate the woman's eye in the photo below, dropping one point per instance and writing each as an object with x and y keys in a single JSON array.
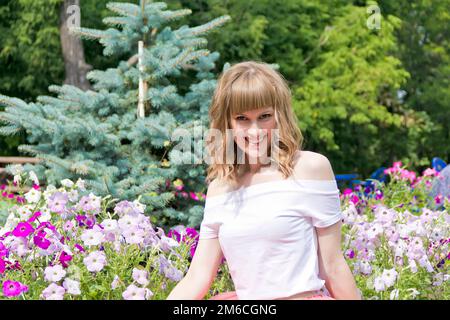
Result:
[
  {"x": 240, "y": 118},
  {"x": 265, "y": 116}
]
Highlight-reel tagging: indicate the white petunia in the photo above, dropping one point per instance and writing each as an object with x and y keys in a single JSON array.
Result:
[
  {"x": 33, "y": 177},
  {"x": 33, "y": 196},
  {"x": 67, "y": 183},
  {"x": 54, "y": 274},
  {"x": 92, "y": 237},
  {"x": 72, "y": 286}
]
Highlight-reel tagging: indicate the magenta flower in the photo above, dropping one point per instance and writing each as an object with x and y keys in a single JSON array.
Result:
[
  {"x": 438, "y": 199},
  {"x": 174, "y": 232},
  {"x": 79, "y": 248},
  {"x": 90, "y": 221},
  {"x": 23, "y": 229},
  {"x": 3, "y": 250},
  {"x": 193, "y": 196},
  {"x": 350, "y": 254},
  {"x": 20, "y": 199},
  {"x": 192, "y": 233},
  {"x": 47, "y": 225},
  {"x": 64, "y": 258},
  {"x": 11, "y": 196},
  {"x": 41, "y": 242},
  {"x": 35, "y": 216},
  {"x": 354, "y": 199},
  {"x": 12, "y": 288},
  {"x": 2, "y": 266},
  {"x": 80, "y": 219}
]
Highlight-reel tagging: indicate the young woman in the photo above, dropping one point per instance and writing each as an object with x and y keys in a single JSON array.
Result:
[{"x": 272, "y": 210}]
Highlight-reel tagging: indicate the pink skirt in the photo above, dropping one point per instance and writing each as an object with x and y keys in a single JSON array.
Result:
[{"x": 231, "y": 295}]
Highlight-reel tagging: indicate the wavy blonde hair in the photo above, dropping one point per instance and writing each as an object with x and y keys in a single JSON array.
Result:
[{"x": 245, "y": 86}]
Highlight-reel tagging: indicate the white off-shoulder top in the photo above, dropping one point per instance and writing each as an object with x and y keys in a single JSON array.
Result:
[{"x": 267, "y": 235}]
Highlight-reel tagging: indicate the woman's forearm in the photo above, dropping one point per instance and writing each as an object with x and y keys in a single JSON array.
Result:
[
  {"x": 340, "y": 282},
  {"x": 189, "y": 289}
]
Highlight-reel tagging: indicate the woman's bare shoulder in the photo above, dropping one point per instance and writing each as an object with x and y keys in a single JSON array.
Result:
[
  {"x": 217, "y": 187},
  {"x": 312, "y": 166}
]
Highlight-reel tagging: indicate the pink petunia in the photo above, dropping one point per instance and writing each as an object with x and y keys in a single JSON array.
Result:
[
  {"x": 35, "y": 216},
  {"x": 64, "y": 258},
  {"x": 41, "y": 242},
  {"x": 193, "y": 196},
  {"x": 23, "y": 229},
  {"x": 354, "y": 199},
  {"x": 2, "y": 266},
  {"x": 11, "y": 288}
]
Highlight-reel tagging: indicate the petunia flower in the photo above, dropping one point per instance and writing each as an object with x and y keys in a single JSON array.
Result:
[
  {"x": 53, "y": 292},
  {"x": 95, "y": 261},
  {"x": 140, "y": 276},
  {"x": 134, "y": 293},
  {"x": 23, "y": 229},
  {"x": 92, "y": 237},
  {"x": 72, "y": 286},
  {"x": 41, "y": 242},
  {"x": 12, "y": 288},
  {"x": 389, "y": 277},
  {"x": 54, "y": 274}
]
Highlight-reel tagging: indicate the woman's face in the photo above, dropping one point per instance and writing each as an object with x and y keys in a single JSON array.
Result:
[{"x": 252, "y": 131}]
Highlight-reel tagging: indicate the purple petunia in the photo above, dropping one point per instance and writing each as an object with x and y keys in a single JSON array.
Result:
[
  {"x": 57, "y": 202},
  {"x": 13, "y": 288},
  {"x": 23, "y": 229},
  {"x": 95, "y": 261}
]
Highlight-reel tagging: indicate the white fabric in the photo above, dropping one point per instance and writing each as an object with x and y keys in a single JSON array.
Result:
[{"x": 267, "y": 235}]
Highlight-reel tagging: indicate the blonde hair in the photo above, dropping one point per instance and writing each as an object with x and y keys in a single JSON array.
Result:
[{"x": 245, "y": 86}]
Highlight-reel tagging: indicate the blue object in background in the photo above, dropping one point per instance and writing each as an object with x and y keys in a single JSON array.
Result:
[
  {"x": 438, "y": 164},
  {"x": 350, "y": 178},
  {"x": 343, "y": 178}
]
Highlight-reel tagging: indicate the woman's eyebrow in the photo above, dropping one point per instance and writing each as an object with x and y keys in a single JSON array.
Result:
[{"x": 262, "y": 112}]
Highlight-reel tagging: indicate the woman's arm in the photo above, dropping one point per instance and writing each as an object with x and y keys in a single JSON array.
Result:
[{"x": 334, "y": 269}]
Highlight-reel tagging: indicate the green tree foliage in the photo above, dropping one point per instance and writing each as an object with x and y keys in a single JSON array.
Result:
[
  {"x": 348, "y": 105},
  {"x": 424, "y": 48},
  {"x": 97, "y": 136},
  {"x": 284, "y": 32},
  {"x": 30, "y": 53}
]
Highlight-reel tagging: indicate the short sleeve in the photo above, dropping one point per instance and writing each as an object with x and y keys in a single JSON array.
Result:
[
  {"x": 209, "y": 227},
  {"x": 323, "y": 204}
]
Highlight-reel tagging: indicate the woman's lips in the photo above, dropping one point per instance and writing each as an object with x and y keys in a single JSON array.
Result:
[{"x": 254, "y": 142}]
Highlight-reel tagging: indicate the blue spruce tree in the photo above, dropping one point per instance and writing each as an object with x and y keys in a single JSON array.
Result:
[{"x": 118, "y": 136}]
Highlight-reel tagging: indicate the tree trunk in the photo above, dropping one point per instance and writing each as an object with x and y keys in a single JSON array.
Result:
[{"x": 72, "y": 48}]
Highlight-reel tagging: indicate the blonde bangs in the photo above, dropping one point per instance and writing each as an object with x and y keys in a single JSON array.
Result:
[{"x": 250, "y": 91}]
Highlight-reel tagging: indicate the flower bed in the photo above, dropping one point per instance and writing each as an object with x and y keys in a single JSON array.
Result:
[
  {"x": 60, "y": 244},
  {"x": 66, "y": 244}
]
